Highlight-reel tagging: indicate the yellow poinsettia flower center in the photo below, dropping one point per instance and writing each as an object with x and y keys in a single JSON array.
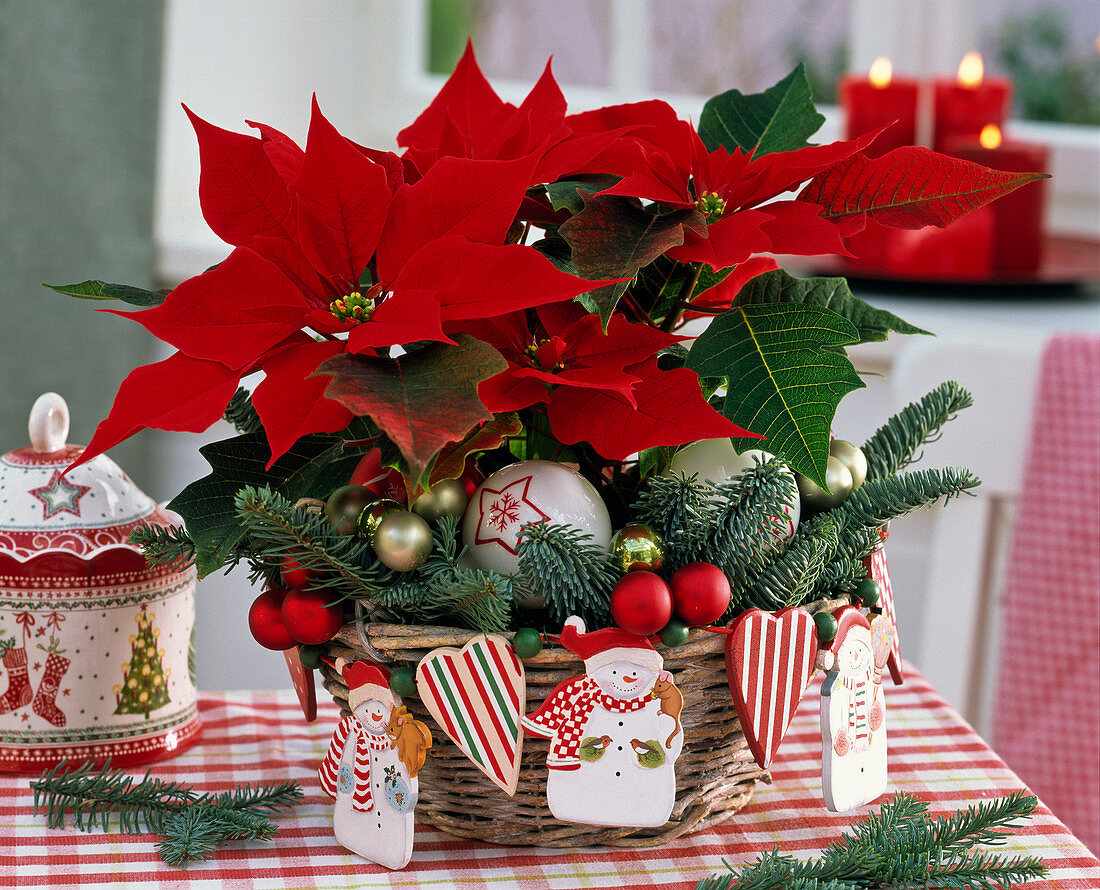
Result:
[
  {"x": 711, "y": 205},
  {"x": 355, "y": 307}
]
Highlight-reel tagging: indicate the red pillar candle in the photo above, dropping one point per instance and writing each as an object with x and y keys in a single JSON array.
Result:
[
  {"x": 870, "y": 102},
  {"x": 965, "y": 105},
  {"x": 1018, "y": 216}
]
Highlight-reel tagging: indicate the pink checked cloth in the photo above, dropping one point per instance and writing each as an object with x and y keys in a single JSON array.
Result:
[{"x": 1047, "y": 716}]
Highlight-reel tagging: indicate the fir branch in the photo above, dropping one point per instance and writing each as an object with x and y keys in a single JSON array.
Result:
[
  {"x": 876, "y": 502},
  {"x": 171, "y": 547},
  {"x": 561, "y": 564},
  {"x": 342, "y": 563},
  {"x": 679, "y": 508},
  {"x": 796, "y": 575},
  {"x": 894, "y": 446},
  {"x": 242, "y": 414},
  {"x": 900, "y": 846},
  {"x": 191, "y": 824}
]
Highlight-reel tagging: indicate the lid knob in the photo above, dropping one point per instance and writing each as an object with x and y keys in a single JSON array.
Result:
[{"x": 49, "y": 423}]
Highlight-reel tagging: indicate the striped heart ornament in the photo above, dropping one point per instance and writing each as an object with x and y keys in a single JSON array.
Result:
[
  {"x": 769, "y": 664},
  {"x": 477, "y": 695}
]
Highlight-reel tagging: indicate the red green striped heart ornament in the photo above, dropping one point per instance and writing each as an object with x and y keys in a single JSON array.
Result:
[{"x": 477, "y": 695}]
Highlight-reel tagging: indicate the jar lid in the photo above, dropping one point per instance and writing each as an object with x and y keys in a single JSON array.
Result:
[{"x": 44, "y": 509}]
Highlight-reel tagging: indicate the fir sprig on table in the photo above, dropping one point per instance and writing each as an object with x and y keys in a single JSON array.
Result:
[
  {"x": 190, "y": 824},
  {"x": 902, "y": 846}
]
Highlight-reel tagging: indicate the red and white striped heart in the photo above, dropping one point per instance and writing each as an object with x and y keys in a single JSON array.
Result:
[
  {"x": 769, "y": 664},
  {"x": 477, "y": 695}
]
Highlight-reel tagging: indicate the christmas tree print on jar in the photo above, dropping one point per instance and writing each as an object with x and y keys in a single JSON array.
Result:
[
  {"x": 371, "y": 768},
  {"x": 614, "y": 732},
  {"x": 144, "y": 678}
]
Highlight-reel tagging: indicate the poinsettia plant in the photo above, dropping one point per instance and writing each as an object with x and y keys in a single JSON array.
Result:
[{"x": 521, "y": 277}]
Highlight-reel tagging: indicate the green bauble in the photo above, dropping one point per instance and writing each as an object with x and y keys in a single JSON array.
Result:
[
  {"x": 826, "y": 627},
  {"x": 675, "y": 633},
  {"x": 446, "y": 498},
  {"x": 310, "y": 655},
  {"x": 403, "y": 541},
  {"x": 853, "y": 458},
  {"x": 868, "y": 592},
  {"x": 637, "y": 547},
  {"x": 344, "y": 505},
  {"x": 403, "y": 682},
  {"x": 527, "y": 642},
  {"x": 366, "y": 524},
  {"x": 838, "y": 478}
]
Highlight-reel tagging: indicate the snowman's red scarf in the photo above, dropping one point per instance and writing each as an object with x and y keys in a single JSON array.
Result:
[
  {"x": 361, "y": 798},
  {"x": 564, "y": 714}
]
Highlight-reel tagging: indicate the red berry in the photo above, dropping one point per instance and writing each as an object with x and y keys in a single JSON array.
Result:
[
  {"x": 265, "y": 620},
  {"x": 293, "y": 573},
  {"x": 700, "y": 593},
  {"x": 641, "y": 603},
  {"x": 384, "y": 482},
  {"x": 310, "y": 617},
  {"x": 471, "y": 477}
]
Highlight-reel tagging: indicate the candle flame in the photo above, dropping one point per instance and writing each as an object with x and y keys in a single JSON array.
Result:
[
  {"x": 990, "y": 136},
  {"x": 971, "y": 70},
  {"x": 881, "y": 72}
]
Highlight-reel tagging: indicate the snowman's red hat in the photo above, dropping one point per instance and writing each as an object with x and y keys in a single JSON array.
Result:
[
  {"x": 847, "y": 617},
  {"x": 366, "y": 681},
  {"x": 603, "y": 647}
]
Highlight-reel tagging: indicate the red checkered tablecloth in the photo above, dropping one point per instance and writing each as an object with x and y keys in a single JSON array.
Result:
[{"x": 252, "y": 737}]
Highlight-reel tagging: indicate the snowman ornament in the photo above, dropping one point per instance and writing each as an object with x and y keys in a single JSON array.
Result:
[
  {"x": 371, "y": 769},
  {"x": 614, "y": 732},
  {"x": 853, "y": 711}
]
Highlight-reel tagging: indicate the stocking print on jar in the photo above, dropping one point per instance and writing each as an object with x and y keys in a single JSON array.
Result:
[
  {"x": 614, "y": 732},
  {"x": 94, "y": 643}
]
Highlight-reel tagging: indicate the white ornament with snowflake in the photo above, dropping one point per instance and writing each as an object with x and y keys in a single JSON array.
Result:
[{"x": 529, "y": 491}]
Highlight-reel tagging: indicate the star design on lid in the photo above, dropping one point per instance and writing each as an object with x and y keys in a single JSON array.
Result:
[
  {"x": 501, "y": 514},
  {"x": 59, "y": 495}
]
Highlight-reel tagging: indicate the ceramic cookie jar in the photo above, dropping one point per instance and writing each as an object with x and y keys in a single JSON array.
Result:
[{"x": 94, "y": 644}]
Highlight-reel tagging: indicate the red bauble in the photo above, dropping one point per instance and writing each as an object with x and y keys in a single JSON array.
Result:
[
  {"x": 309, "y": 616},
  {"x": 292, "y": 572},
  {"x": 265, "y": 620},
  {"x": 385, "y": 482},
  {"x": 641, "y": 603},
  {"x": 700, "y": 593}
]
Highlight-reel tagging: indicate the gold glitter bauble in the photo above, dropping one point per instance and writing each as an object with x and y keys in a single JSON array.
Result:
[
  {"x": 636, "y": 547},
  {"x": 366, "y": 524}
]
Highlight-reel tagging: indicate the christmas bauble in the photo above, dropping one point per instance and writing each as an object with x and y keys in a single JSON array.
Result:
[
  {"x": 826, "y": 627},
  {"x": 265, "y": 620},
  {"x": 527, "y": 642},
  {"x": 529, "y": 491},
  {"x": 868, "y": 592},
  {"x": 383, "y": 482},
  {"x": 853, "y": 458},
  {"x": 403, "y": 541},
  {"x": 310, "y": 655},
  {"x": 344, "y": 506},
  {"x": 641, "y": 603},
  {"x": 311, "y": 616},
  {"x": 700, "y": 593},
  {"x": 637, "y": 546},
  {"x": 292, "y": 572},
  {"x": 716, "y": 460},
  {"x": 366, "y": 524},
  {"x": 838, "y": 478},
  {"x": 675, "y": 633},
  {"x": 403, "y": 682},
  {"x": 446, "y": 498}
]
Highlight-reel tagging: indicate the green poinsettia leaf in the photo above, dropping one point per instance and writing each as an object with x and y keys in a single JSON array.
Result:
[
  {"x": 614, "y": 237},
  {"x": 781, "y": 118},
  {"x": 422, "y": 400},
  {"x": 101, "y": 290},
  {"x": 312, "y": 467},
  {"x": 565, "y": 193},
  {"x": 452, "y": 459},
  {"x": 784, "y": 376},
  {"x": 833, "y": 293}
]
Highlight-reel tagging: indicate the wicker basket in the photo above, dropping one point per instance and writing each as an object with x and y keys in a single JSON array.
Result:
[{"x": 715, "y": 773}]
